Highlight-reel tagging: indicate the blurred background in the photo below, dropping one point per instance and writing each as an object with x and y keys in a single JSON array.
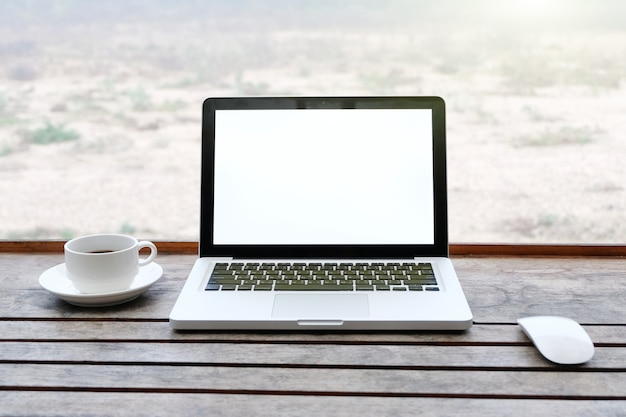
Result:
[{"x": 100, "y": 105}]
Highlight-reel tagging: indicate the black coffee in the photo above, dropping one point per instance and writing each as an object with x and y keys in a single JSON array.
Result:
[{"x": 101, "y": 251}]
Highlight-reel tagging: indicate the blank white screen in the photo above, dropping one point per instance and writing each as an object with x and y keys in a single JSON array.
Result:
[{"x": 349, "y": 176}]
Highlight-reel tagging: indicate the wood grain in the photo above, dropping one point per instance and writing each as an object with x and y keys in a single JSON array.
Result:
[
  {"x": 455, "y": 249},
  {"x": 301, "y": 355},
  {"x": 327, "y": 382},
  {"x": 137, "y": 404},
  {"x": 161, "y": 331},
  {"x": 499, "y": 290}
]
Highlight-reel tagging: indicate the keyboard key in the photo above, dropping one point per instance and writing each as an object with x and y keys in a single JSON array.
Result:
[
  {"x": 222, "y": 273},
  {"x": 364, "y": 287},
  {"x": 262, "y": 287},
  {"x": 298, "y": 287},
  {"x": 312, "y": 287},
  {"x": 225, "y": 281}
]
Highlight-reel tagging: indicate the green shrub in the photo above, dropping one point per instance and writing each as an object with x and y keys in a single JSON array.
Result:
[{"x": 52, "y": 134}]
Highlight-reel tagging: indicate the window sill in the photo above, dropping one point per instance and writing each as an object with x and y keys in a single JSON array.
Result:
[{"x": 456, "y": 249}]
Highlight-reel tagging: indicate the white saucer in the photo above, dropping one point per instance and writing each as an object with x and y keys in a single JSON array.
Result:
[{"x": 55, "y": 280}]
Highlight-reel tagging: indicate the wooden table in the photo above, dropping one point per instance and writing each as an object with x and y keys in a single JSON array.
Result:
[{"x": 58, "y": 359}]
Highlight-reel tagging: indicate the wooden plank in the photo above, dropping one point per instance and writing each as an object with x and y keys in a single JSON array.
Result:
[
  {"x": 21, "y": 270},
  {"x": 18, "y": 330},
  {"x": 455, "y": 249},
  {"x": 356, "y": 382},
  {"x": 588, "y": 290},
  {"x": 22, "y": 296},
  {"x": 499, "y": 290},
  {"x": 31, "y": 246},
  {"x": 293, "y": 355},
  {"x": 27, "y": 403},
  {"x": 56, "y": 246},
  {"x": 498, "y": 249},
  {"x": 154, "y": 304}
]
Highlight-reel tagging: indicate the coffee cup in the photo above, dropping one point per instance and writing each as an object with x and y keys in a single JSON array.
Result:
[{"x": 105, "y": 262}]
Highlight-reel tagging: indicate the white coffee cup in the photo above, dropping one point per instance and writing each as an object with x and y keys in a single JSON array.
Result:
[{"x": 106, "y": 262}]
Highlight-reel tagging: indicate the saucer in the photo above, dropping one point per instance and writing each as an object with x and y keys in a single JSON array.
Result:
[{"x": 55, "y": 281}]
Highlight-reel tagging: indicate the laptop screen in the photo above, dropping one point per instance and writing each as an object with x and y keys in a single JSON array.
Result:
[
  {"x": 322, "y": 175},
  {"x": 357, "y": 176}
]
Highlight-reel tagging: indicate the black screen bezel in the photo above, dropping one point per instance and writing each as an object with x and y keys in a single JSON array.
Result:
[{"x": 438, "y": 248}]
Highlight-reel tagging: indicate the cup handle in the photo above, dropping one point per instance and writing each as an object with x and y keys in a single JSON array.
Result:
[{"x": 153, "y": 252}]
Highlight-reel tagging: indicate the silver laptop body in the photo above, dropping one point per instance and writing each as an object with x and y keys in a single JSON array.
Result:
[{"x": 322, "y": 213}]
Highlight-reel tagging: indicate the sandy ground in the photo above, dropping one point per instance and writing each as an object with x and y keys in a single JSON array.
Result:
[{"x": 543, "y": 164}]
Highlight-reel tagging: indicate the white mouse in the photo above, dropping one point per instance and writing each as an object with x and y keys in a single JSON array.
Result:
[{"x": 558, "y": 339}]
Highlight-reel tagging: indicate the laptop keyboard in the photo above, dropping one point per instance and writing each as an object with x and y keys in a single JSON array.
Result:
[{"x": 375, "y": 276}]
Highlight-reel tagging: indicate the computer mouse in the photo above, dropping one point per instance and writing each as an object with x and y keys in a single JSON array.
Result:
[{"x": 558, "y": 339}]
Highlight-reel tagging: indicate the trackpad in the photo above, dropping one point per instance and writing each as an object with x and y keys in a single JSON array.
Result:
[{"x": 320, "y": 306}]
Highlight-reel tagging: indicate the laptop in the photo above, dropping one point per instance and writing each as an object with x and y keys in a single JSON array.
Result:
[{"x": 323, "y": 213}]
